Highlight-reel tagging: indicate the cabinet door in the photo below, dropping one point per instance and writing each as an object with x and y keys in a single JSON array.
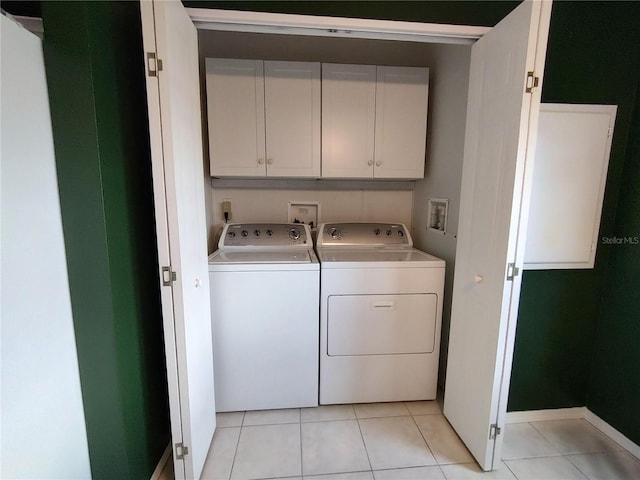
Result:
[
  {"x": 292, "y": 112},
  {"x": 348, "y": 120},
  {"x": 569, "y": 176},
  {"x": 235, "y": 107},
  {"x": 401, "y": 122}
]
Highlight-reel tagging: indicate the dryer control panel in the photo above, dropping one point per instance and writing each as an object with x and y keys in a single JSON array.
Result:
[
  {"x": 265, "y": 235},
  {"x": 364, "y": 235}
]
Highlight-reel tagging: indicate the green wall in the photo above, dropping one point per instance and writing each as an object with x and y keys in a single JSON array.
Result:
[
  {"x": 592, "y": 58},
  {"x": 93, "y": 56},
  {"x": 614, "y": 390}
]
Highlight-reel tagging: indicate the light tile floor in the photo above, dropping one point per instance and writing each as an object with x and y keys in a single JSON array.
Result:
[{"x": 402, "y": 441}]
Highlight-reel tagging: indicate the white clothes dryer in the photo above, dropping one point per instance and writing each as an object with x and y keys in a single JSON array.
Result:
[
  {"x": 380, "y": 314},
  {"x": 264, "y": 301}
]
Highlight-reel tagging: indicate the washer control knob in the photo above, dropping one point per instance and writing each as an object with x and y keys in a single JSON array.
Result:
[
  {"x": 334, "y": 233},
  {"x": 400, "y": 233},
  {"x": 232, "y": 234},
  {"x": 256, "y": 232},
  {"x": 294, "y": 234},
  {"x": 244, "y": 233},
  {"x": 389, "y": 233},
  {"x": 376, "y": 232},
  {"x": 269, "y": 233}
]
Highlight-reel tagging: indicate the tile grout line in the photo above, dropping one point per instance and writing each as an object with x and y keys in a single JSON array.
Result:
[
  {"x": 235, "y": 452},
  {"x": 566, "y": 457},
  {"x": 364, "y": 444},
  {"x": 556, "y": 449},
  {"x": 427, "y": 444},
  {"x": 509, "y": 468},
  {"x": 301, "y": 451}
]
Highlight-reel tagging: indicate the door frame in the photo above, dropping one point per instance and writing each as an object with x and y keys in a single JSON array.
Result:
[{"x": 341, "y": 27}]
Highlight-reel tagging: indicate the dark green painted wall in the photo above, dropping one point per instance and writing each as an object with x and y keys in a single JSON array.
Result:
[
  {"x": 592, "y": 58},
  {"x": 459, "y": 12},
  {"x": 614, "y": 389},
  {"x": 93, "y": 55}
]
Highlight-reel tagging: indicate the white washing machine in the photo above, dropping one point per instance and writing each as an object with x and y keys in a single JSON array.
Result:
[
  {"x": 380, "y": 314},
  {"x": 264, "y": 306}
]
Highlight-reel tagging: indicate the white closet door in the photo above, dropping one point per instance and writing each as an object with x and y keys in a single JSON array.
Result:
[
  {"x": 292, "y": 112},
  {"x": 176, "y": 146},
  {"x": 496, "y": 183},
  {"x": 401, "y": 122},
  {"x": 235, "y": 113},
  {"x": 348, "y": 120}
]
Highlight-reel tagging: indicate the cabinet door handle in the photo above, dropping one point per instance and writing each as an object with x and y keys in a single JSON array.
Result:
[
  {"x": 260, "y": 161},
  {"x": 370, "y": 162},
  {"x": 378, "y": 163},
  {"x": 269, "y": 161}
]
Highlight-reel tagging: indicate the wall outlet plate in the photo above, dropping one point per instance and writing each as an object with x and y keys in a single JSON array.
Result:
[{"x": 304, "y": 212}]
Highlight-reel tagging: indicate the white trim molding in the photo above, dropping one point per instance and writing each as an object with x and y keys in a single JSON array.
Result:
[
  {"x": 613, "y": 434},
  {"x": 542, "y": 415},
  {"x": 322, "y": 26},
  {"x": 157, "y": 473},
  {"x": 574, "y": 413}
]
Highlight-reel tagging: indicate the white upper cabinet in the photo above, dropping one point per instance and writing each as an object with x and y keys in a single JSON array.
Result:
[
  {"x": 374, "y": 121},
  {"x": 292, "y": 112},
  {"x": 264, "y": 118},
  {"x": 235, "y": 103},
  {"x": 348, "y": 120},
  {"x": 401, "y": 122}
]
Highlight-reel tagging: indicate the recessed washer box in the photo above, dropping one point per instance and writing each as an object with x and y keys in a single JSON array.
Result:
[{"x": 304, "y": 212}]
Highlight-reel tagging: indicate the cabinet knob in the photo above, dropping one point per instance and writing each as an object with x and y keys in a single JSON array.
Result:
[
  {"x": 378, "y": 163},
  {"x": 260, "y": 161},
  {"x": 477, "y": 278},
  {"x": 370, "y": 162},
  {"x": 269, "y": 161}
]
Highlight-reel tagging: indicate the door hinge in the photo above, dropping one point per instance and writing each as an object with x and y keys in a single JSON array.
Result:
[
  {"x": 532, "y": 82},
  {"x": 512, "y": 271},
  {"x": 181, "y": 451},
  {"x": 168, "y": 276},
  {"x": 609, "y": 132},
  {"x": 494, "y": 431},
  {"x": 154, "y": 64}
]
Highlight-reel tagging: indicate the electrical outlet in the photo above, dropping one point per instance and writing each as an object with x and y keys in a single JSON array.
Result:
[
  {"x": 304, "y": 212},
  {"x": 226, "y": 210}
]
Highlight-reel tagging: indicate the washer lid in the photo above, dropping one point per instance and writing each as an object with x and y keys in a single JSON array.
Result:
[
  {"x": 285, "y": 256},
  {"x": 377, "y": 258},
  {"x": 222, "y": 260}
]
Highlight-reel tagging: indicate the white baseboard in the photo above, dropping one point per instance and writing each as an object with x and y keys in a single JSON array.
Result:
[
  {"x": 542, "y": 415},
  {"x": 572, "y": 413},
  {"x": 613, "y": 434},
  {"x": 162, "y": 463}
]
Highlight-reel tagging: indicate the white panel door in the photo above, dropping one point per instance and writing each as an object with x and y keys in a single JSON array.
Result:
[
  {"x": 401, "y": 122},
  {"x": 292, "y": 112},
  {"x": 235, "y": 113},
  {"x": 572, "y": 157},
  {"x": 496, "y": 183},
  {"x": 348, "y": 120},
  {"x": 176, "y": 147}
]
